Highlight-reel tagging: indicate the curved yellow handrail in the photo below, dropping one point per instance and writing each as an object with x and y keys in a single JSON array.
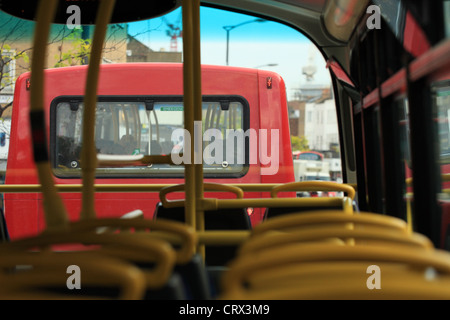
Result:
[
  {"x": 88, "y": 151},
  {"x": 123, "y": 246},
  {"x": 50, "y": 270},
  {"x": 207, "y": 187},
  {"x": 328, "y": 217},
  {"x": 298, "y": 254},
  {"x": 313, "y": 186},
  {"x": 316, "y": 273},
  {"x": 54, "y": 209},
  {"x": 367, "y": 235},
  {"x": 396, "y": 284},
  {"x": 31, "y": 188},
  {"x": 181, "y": 233}
]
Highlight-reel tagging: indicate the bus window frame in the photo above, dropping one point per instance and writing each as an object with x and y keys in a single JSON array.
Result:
[{"x": 152, "y": 99}]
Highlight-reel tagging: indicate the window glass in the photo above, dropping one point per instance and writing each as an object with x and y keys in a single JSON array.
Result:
[
  {"x": 441, "y": 95},
  {"x": 403, "y": 111},
  {"x": 446, "y": 5},
  {"x": 442, "y": 98},
  {"x": 137, "y": 128},
  {"x": 8, "y": 71}
]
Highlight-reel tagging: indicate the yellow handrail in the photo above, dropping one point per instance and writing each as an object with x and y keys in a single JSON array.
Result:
[
  {"x": 54, "y": 209},
  {"x": 325, "y": 252},
  {"x": 32, "y": 188},
  {"x": 329, "y": 217},
  {"x": 107, "y": 160},
  {"x": 335, "y": 280},
  {"x": 207, "y": 187},
  {"x": 88, "y": 151},
  {"x": 366, "y": 235},
  {"x": 215, "y": 204},
  {"x": 183, "y": 234},
  {"x": 124, "y": 246},
  {"x": 189, "y": 87},
  {"x": 313, "y": 186},
  {"x": 49, "y": 269}
]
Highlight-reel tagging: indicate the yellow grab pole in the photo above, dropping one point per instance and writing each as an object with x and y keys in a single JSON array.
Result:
[
  {"x": 89, "y": 152},
  {"x": 198, "y": 144},
  {"x": 31, "y": 188},
  {"x": 409, "y": 215},
  {"x": 54, "y": 209},
  {"x": 215, "y": 204},
  {"x": 188, "y": 101}
]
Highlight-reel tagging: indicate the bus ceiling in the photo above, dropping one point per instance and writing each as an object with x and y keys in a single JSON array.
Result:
[{"x": 124, "y": 10}]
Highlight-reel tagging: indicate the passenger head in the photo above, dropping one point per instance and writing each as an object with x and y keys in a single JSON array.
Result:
[{"x": 128, "y": 144}]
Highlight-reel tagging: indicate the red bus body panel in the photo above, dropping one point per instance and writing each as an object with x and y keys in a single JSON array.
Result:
[{"x": 268, "y": 110}]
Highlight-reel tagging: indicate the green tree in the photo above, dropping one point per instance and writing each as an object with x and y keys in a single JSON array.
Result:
[
  {"x": 78, "y": 52},
  {"x": 299, "y": 143}
]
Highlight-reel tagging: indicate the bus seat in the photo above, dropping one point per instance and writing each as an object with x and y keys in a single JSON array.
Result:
[
  {"x": 329, "y": 217},
  {"x": 167, "y": 147},
  {"x": 156, "y": 148},
  {"x": 173, "y": 289},
  {"x": 4, "y": 235},
  {"x": 227, "y": 219},
  {"x": 195, "y": 279},
  {"x": 189, "y": 278},
  {"x": 275, "y": 212},
  {"x": 43, "y": 276},
  {"x": 154, "y": 257},
  {"x": 189, "y": 281}
]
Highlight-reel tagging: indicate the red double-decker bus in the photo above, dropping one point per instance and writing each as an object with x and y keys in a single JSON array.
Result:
[{"x": 140, "y": 112}]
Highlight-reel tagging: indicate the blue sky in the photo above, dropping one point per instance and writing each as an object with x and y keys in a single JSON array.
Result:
[
  {"x": 251, "y": 45},
  {"x": 212, "y": 23}
]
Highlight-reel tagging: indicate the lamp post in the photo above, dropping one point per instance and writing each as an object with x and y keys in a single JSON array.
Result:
[{"x": 229, "y": 28}]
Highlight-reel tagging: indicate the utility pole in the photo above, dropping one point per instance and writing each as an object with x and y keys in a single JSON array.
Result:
[{"x": 229, "y": 28}]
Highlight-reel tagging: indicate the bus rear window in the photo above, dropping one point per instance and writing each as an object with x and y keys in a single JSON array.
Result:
[
  {"x": 313, "y": 156},
  {"x": 150, "y": 126}
]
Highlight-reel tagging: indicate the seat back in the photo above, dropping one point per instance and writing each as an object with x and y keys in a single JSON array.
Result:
[
  {"x": 44, "y": 275},
  {"x": 188, "y": 279},
  {"x": 4, "y": 236},
  {"x": 195, "y": 279},
  {"x": 229, "y": 219},
  {"x": 278, "y": 211}
]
